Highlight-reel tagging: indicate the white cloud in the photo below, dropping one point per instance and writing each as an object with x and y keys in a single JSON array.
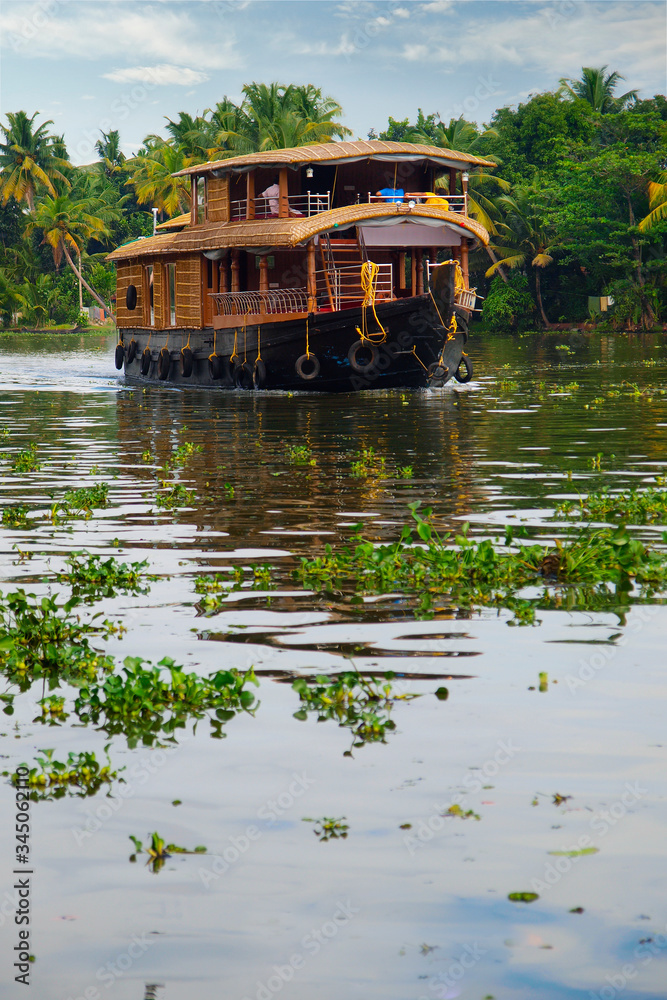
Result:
[
  {"x": 111, "y": 28},
  {"x": 162, "y": 75},
  {"x": 401, "y": 12}
]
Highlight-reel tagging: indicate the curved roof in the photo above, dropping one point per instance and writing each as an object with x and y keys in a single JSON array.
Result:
[
  {"x": 341, "y": 152},
  {"x": 288, "y": 233}
]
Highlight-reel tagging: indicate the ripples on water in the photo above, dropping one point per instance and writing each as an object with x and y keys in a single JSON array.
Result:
[{"x": 388, "y": 912}]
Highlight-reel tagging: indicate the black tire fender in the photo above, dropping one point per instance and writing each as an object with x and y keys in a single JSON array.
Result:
[
  {"x": 120, "y": 355},
  {"x": 163, "y": 364},
  {"x": 131, "y": 297},
  {"x": 360, "y": 348},
  {"x": 187, "y": 362},
  {"x": 307, "y": 367},
  {"x": 467, "y": 364},
  {"x": 259, "y": 374},
  {"x": 131, "y": 351},
  {"x": 437, "y": 372},
  {"x": 146, "y": 361},
  {"x": 215, "y": 366},
  {"x": 243, "y": 375}
]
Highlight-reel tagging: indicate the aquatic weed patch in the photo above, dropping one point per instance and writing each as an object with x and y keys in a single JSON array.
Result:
[
  {"x": 147, "y": 701},
  {"x": 40, "y": 638},
  {"x": 158, "y": 850},
  {"x": 94, "y": 577},
  {"x": 640, "y": 507},
  {"x": 471, "y": 573},
  {"x": 15, "y": 517},
  {"x": 81, "y": 775},
  {"x": 328, "y": 827},
  {"x": 26, "y": 460},
  {"x": 361, "y": 704},
  {"x": 174, "y": 495}
]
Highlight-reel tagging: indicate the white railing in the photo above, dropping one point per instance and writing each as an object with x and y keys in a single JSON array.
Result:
[
  {"x": 273, "y": 300},
  {"x": 466, "y": 298},
  {"x": 343, "y": 284},
  {"x": 454, "y": 202},
  {"x": 267, "y": 208}
]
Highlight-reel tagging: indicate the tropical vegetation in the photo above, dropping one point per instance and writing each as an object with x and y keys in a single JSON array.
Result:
[{"x": 576, "y": 204}]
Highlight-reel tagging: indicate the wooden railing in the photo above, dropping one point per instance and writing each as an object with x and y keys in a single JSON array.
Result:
[
  {"x": 267, "y": 208},
  {"x": 274, "y": 300},
  {"x": 341, "y": 286}
]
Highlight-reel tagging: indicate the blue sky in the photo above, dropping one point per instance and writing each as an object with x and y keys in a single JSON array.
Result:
[{"x": 127, "y": 64}]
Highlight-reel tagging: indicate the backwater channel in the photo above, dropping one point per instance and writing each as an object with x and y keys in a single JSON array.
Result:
[{"x": 411, "y": 903}]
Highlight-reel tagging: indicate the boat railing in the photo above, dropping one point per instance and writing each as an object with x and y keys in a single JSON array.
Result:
[
  {"x": 457, "y": 203},
  {"x": 258, "y": 303},
  {"x": 342, "y": 286},
  {"x": 307, "y": 204},
  {"x": 464, "y": 297}
]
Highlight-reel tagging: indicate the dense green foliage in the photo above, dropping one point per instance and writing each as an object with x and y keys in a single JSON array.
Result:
[{"x": 576, "y": 206}]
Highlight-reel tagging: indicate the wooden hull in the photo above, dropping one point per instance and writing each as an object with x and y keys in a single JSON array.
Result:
[{"x": 271, "y": 356}]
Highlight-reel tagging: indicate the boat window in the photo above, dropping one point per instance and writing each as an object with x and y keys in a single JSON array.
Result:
[
  {"x": 149, "y": 294},
  {"x": 201, "y": 199},
  {"x": 171, "y": 293}
]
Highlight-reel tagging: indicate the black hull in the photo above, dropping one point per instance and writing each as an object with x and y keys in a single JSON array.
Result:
[{"x": 416, "y": 341}]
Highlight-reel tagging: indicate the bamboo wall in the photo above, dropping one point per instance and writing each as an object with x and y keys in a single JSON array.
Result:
[
  {"x": 129, "y": 272},
  {"x": 189, "y": 291},
  {"x": 218, "y": 199},
  {"x": 159, "y": 304}
]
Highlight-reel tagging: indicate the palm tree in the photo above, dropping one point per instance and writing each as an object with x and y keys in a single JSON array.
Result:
[
  {"x": 598, "y": 90},
  {"x": 29, "y": 158},
  {"x": 153, "y": 179},
  {"x": 657, "y": 202},
  {"x": 526, "y": 239},
  {"x": 483, "y": 187},
  {"x": 192, "y": 135},
  {"x": 109, "y": 151},
  {"x": 66, "y": 226},
  {"x": 273, "y": 116}
]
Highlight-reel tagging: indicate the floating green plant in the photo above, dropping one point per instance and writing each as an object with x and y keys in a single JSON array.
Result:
[
  {"x": 81, "y": 775},
  {"x": 456, "y": 810},
  {"x": 299, "y": 454},
  {"x": 175, "y": 495},
  {"x": 523, "y": 897},
  {"x": 329, "y": 828},
  {"x": 15, "y": 517},
  {"x": 158, "y": 851},
  {"x": 360, "y": 704},
  {"x": 182, "y": 455},
  {"x": 26, "y": 461},
  {"x": 471, "y": 573},
  {"x": 93, "y": 577},
  {"x": 639, "y": 507},
  {"x": 147, "y": 702},
  {"x": 52, "y": 710},
  {"x": 40, "y": 638}
]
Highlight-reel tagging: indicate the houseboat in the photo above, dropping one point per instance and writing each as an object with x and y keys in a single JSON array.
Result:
[{"x": 333, "y": 267}]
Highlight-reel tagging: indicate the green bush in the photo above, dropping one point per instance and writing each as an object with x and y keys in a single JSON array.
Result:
[{"x": 509, "y": 305}]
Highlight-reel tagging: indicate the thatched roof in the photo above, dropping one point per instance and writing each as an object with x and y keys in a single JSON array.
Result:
[
  {"x": 178, "y": 222},
  {"x": 341, "y": 152},
  {"x": 288, "y": 233}
]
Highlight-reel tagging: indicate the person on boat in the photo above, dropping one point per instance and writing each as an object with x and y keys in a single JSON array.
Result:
[
  {"x": 272, "y": 192},
  {"x": 393, "y": 195}
]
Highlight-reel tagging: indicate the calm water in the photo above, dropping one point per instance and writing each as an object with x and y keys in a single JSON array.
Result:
[{"x": 387, "y": 913}]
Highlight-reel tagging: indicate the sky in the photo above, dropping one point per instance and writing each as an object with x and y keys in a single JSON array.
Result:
[{"x": 96, "y": 65}]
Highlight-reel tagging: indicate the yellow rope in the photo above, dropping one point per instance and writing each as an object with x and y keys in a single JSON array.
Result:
[
  {"x": 188, "y": 343},
  {"x": 307, "y": 344},
  {"x": 369, "y": 277},
  {"x": 414, "y": 351},
  {"x": 234, "y": 354},
  {"x": 211, "y": 356},
  {"x": 459, "y": 286},
  {"x": 259, "y": 353}
]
